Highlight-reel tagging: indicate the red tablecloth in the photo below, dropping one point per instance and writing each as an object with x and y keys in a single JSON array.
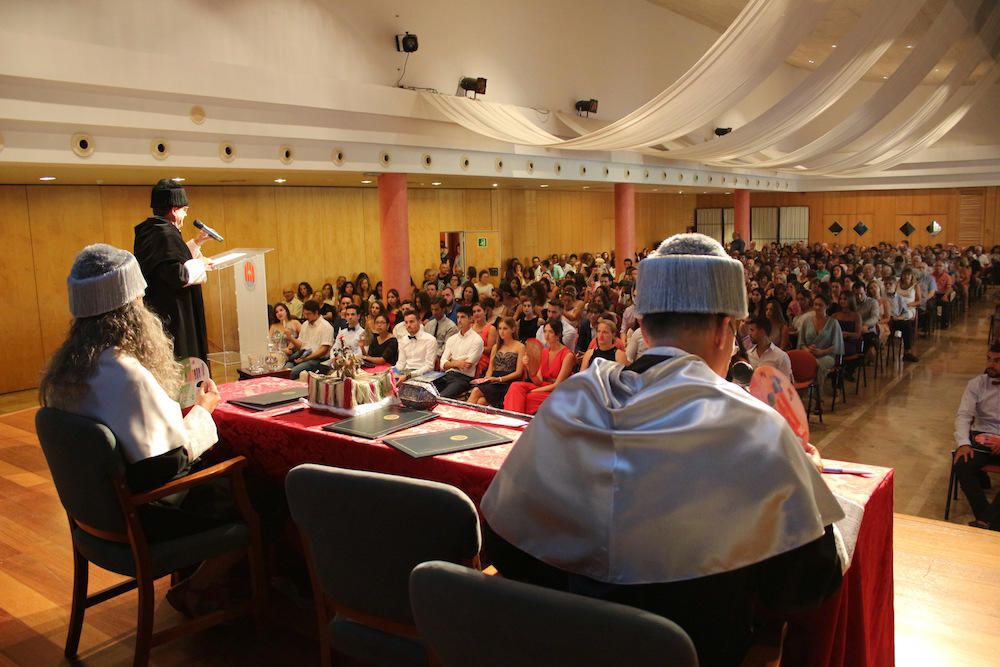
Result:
[{"x": 853, "y": 628}]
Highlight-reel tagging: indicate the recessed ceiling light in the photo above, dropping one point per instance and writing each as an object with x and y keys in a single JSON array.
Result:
[
  {"x": 367, "y": 182},
  {"x": 586, "y": 187},
  {"x": 909, "y": 46},
  {"x": 726, "y": 193},
  {"x": 178, "y": 179},
  {"x": 811, "y": 62},
  {"x": 435, "y": 182},
  {"x": 680, "y": 192},
  {"x": 833, "y": 46},
  {"x": 496, "y": 185},
  {"x": 544, "y": 185},
  {"x": 656, "y": 189},
  {"x": 885, "y": 77},
  {"x": 46, "y": 178},
  {"x": 280, "y": 180}
]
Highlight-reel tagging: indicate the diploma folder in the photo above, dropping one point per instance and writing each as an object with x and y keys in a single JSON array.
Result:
[
  {"x": 446, "y": 442},
  {"x": 271, "y": 399},
  {"x": 375, "y": 424}
]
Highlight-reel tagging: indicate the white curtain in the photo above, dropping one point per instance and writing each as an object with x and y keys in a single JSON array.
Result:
[
  {"x": 794, "y": 223},
  {"x": 763, "y": 224},
  {"x": 949, "y": 26},
  {"x": 761, "y": 38},
  {"x": 864, "y": 46},
  {"x": 708, "y": 221}
]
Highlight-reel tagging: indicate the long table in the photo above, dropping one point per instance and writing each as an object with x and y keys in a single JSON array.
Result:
[{"x": 852, "y": 628}]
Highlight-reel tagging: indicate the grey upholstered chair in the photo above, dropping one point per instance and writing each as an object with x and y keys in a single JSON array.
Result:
[
  {"x": 363, "y": 533},
  {"x": 474, "y": 620},
  {"x": 88, "y": 473}
]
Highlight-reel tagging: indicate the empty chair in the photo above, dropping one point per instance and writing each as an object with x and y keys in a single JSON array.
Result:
[
  {"x": 88, "y": 473},
  {"x": 805, "y": 369},
  {"x": 474, "y": 620},
  {"x": 363, "y": 533}
]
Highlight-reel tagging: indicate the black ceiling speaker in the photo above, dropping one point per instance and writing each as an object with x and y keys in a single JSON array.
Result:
[
  {"x": 586, "y": 106},
  {"x": 835, "y": 228},
  {"x": 477, "y": 86},
  {"x": 860, "y": 228},
  {"x": 907, "y": 228},
  {"x": 934, "y": 228},
  {"x": 722, "y": 131},
  {"x": 406, "y": 43}
]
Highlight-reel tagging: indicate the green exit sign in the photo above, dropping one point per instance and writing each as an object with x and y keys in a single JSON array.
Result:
[{"x": 481, "y": 241}]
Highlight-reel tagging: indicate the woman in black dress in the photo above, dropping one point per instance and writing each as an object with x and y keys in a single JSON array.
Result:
[
  {"x": 507, "y": 363},
  {"x": 383, "y": 348}
]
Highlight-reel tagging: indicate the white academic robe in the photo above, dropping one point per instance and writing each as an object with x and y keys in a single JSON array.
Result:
[
  {"x": 667, "y": 475},
  {"x": 146, "y": 421}
]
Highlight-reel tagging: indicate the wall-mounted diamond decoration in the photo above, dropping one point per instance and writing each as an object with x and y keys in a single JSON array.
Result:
[
  {"x": 860, "y": 228},
  {"x": 835, "y": 228},
  {"x": 934, "y": 228},
  {"x": 907, "y": 228}
]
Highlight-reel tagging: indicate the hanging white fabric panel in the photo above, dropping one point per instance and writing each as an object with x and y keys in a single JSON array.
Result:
[
  {"x": 728, "y": 223},
  {"x": 936, "y": 111},
  {"x": 794, "y": 223},
  {"x": 760, "y": 39},
  {"x": 763, "y": 224},
  {"x": 949, "y": 26},
  {"x": 708, "y": 221},
  {"x": 865, "y": 44}
]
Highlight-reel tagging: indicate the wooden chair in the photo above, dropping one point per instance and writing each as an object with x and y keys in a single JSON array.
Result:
[
  {"x": 989, "y": 468},
  {"x": 474, "y": 620},
  {"x": 805, "y": 369},
  {"x": 363, "y": 533},
  {"x": 106, "y": 530}
]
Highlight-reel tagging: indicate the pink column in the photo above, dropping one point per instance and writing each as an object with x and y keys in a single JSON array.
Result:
[
  {"x": 741, "y": 215},
  {"x": 624, "y": 224},
  {"x": 395, "y": 232}
]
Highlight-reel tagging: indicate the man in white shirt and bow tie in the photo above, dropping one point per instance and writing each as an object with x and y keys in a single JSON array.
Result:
[
  {"x": 352, "y": 336},
  {"x": 417, "y": 348}
]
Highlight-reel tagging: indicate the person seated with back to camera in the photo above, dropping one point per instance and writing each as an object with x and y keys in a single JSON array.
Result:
[
  {"x": 460, "y": 357},
  {"x": 116, "y": 366},
  {"x": 312, "y": 347},
  {"x": 508, "y": 359},
  {"x": 598, "y": 497}
]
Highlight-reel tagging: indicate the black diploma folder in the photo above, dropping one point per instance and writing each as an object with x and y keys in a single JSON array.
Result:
[
  {"x": 446, "y": 442},
  {"x": 271, "y": 399},
  {"x": 381, "y": 422}
]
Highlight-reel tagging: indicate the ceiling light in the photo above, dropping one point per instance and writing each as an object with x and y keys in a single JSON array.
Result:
[
  {"x": 435, "y": 182},
  {"x": 496, "y": 185},
  {"x": 586, "y": 107},
  {"x": 885, "y": 77},
  {"x": 680, "y": 192},
  {"x": 725, "y": 193},
  {"x": 833, "y": 46},
  {"x": 812, "y": 62},
  {"x": 280, "y": 180},
  {"x": 46, "y": 178},
  {"x": 586, "y": 187},
  {"x": 366, "y": 182},
  {"x": 474, "y": 85},
  {"x": 544, "y": 185},
  {"x": 909, "y": 46},
  {"x": 178, "y": 179}
]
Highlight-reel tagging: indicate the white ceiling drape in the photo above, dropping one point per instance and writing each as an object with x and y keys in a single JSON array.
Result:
[{"x": 757, "y": 43}]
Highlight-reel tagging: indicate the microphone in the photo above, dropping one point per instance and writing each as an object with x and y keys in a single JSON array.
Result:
[{"x": 208, "y": 230}]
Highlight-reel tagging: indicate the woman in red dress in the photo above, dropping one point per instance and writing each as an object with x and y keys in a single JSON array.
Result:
[{"x": 557, "y": 365}]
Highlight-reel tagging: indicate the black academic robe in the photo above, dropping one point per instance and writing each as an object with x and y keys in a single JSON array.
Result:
[{"x": 161, "y": 252}]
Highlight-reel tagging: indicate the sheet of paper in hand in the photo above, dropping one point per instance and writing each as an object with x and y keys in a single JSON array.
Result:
[
  {"x": 774, "y": 388},
  {"x": 195, "y": 370}
]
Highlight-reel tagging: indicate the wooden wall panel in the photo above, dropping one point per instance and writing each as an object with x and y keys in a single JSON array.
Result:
[
  {"x": 19, "y": 337},
  {"x": 64, "y": 219}
]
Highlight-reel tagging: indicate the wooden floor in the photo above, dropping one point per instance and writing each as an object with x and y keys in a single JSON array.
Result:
[{"x": 947, "y": 575}]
